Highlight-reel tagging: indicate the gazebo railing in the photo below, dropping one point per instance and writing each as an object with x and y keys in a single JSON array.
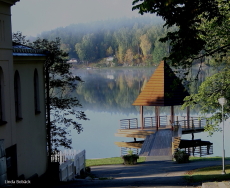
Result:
[
  {"x": 129, "y": 123},
  {"x": 192, "y": 123},
  {"x": 151, "y": 121},
  {"x": 148, "y": 122},
  {"x": 163, "y": 121}
]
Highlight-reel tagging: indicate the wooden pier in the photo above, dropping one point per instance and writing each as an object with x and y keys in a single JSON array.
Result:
[
  {"x": 163, "y": 134},
  {"x": 164, "y": 140}
]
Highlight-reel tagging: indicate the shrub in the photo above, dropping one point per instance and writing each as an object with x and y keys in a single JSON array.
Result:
[{"x": 181, "y": 156}]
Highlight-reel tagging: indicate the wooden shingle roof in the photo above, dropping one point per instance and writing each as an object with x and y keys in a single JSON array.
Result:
[{"x": 163, "y": 89}]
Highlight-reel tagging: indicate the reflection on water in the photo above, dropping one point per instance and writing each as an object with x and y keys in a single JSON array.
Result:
[
  {"x": 107, "y": 96},
  {"x": 112, "y": 90}
]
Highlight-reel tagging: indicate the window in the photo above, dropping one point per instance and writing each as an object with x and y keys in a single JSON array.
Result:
[
  {"x": 2, "y": 122},
  {"x": 36, "y": 93},
  {"x": 17, "y": 96}
]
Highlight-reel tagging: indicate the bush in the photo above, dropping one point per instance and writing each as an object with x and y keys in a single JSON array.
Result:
[
  {"x": 130, "y": 159},
  {"x": 181, "y": 156}
]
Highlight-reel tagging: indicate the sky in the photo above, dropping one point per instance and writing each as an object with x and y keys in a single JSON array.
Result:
[{"x": 32, "y": 17}]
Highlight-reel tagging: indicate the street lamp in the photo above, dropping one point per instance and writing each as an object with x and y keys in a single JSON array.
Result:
[{"x": 222, "y": 101}]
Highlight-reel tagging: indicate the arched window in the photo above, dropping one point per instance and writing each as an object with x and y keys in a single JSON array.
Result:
[
  {"x": 2, "y": 112},
  {"x": 36, "y": 93},
  {"x": 17, "y": 96}
]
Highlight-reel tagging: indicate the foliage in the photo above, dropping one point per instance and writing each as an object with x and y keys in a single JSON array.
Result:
[
  {"x": 63, "y": 107},
  {"x": 108, "y": 161},
  {"x": 207, "y": 97},
  {"x": 181, "y": 156},
  {"x": 202, "y": 27},
  {"x": 202, "y": 35},
  {"x": 132, "y": 41},
  {"x": 130, "y": 158}
]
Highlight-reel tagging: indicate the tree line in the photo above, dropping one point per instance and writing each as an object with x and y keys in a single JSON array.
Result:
[{"x": 133, "y": 41}]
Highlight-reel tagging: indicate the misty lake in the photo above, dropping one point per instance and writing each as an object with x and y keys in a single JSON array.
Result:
[{"x": 107, "y": 96}]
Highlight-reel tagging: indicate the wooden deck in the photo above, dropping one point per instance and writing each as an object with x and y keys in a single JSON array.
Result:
[
  {"x": 134, "y": 133},
  {"x": 137, "y": 144},
  {"x": 130, "y": 127},
  {"x": 159, "y": 143}
]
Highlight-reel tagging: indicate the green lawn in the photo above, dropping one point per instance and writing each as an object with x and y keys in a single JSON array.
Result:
[
  {"x": 207, "y": 158},
  {"x": 212, "y": 173},
  {"x": 198, "y": 175},
  {"x": 108, "y": 161}
]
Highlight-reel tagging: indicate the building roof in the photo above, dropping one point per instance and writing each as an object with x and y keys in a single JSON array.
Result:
[
  {"x": 11, "y": 2},
  {"x": 164, "y": 88},
  {"x": 22, "y": 50}
]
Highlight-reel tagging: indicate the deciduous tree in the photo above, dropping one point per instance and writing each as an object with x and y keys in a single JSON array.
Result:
[
  {"x": 200, "y": 23},
  {"x": 64, "y": 108},
  {"x": 213, "y": 88}
]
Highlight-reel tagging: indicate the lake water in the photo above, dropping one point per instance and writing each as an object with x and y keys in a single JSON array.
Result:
[{"x": 107, "y": 96}]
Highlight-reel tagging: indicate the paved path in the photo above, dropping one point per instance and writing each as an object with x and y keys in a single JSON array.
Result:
[{"x": 167, "y": 174}]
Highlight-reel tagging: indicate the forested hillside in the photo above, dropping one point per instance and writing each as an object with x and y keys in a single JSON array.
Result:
[{"x": 131, "y": 41}]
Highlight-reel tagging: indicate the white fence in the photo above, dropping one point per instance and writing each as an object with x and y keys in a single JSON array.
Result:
[
  {"x": 71, "y": 163},
  {"x": 66, "y": 171},
  {"x": 79, "y": 162},
  {"x": 63, "y": 156}
]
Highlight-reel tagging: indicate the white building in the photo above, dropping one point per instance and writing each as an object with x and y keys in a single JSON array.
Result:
[{"x": 22, "y": 103}]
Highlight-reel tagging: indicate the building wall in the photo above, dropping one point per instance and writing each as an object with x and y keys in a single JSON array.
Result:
[
  {"x": 31, "y": 130},
  {"x": 28, "y": 135},
  {"x": 6, "y": 63}
]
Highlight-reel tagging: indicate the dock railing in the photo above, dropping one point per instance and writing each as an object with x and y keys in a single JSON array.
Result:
[{"x": 200, "y": 150}]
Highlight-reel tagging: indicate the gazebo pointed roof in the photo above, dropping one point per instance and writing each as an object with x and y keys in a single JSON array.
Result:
[{"x": 164, "y": 88}]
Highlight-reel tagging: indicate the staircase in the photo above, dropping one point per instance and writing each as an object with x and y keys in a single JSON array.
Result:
[
  {"x": 176, "y": 143},
  {"x": 158, "y": 146},
  {"x": 147, "y": 145}
]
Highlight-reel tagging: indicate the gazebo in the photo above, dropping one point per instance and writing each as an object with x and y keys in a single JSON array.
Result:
[{"x": 164, "y": 88}]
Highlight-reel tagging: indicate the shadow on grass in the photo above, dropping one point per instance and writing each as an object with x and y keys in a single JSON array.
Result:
[
  {"x": 211, "y": 173},
  {"x": 207, "y": 178}
]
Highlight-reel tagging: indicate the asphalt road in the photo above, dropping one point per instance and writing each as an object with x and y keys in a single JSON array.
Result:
[{"x": 167, "y": 174}]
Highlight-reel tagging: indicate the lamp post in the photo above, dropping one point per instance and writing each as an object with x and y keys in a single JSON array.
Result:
[{"x": 222, "y": 101}]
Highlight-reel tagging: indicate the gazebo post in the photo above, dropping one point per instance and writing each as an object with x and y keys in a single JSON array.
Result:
[
  {"x": 188, "y": 117},
  {"x": 142, "y": 119},
  {"x": 172, "y": 114},
  {"x": 156, "y": 117},
  {"x": 158, "y": 113}
]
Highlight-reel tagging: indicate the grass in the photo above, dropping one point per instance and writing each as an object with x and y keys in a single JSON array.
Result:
[
  {"x": 212, "y": 173},
  {"x": 109, "y": 161},
  {"x": 207, "y": 158},
  {"x": 199, "y": 175},
  {"x": 119, "y": 160}
]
